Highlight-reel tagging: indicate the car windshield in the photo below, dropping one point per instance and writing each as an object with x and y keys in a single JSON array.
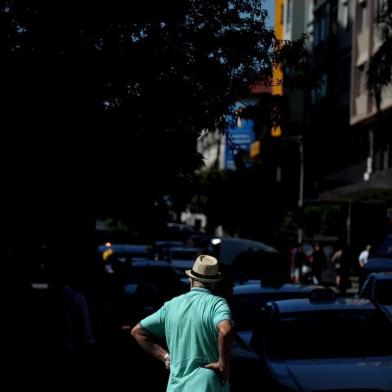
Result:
[
  {"x": 246, "y": 306},
  {"x": 158, "y": 276},
  {"x": 184, "y": 254},
  {"x": 382, "y": 292},
  {"x": 385, "y": 249},
  {"x": 334, "y": 334}
]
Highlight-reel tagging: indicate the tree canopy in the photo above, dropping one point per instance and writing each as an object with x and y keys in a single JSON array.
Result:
[{"x": 111, "y": 96}]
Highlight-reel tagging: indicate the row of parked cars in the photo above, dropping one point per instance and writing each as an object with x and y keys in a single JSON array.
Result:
[
  {"x": 324, "y": 342},
  {"x": 294, "y": 337}
]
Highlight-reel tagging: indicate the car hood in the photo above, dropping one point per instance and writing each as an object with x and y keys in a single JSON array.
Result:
[{"x": 366, "y": 374}]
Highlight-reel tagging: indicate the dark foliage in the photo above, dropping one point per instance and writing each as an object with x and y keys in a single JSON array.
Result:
[{"x": 104, "y": 101}]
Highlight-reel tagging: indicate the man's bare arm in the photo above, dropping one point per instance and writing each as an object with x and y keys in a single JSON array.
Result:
[
  {"x": 148, "y": 342},
  {"x": 225, "y": 341}
]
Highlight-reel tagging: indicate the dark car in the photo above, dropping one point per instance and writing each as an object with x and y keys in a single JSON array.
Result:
[
  {"x": 324, "y": 344},
  {"x": 182, "y": 257},
  {"x": 249, "y": 298},
  {"x": 378, "y": 288},
  {"x": 160, "y": 275},
  {"x": 161, "y": 248},
  {"x": 122, "y": 254},
  {"x": 125, "y": 250},
  {"x": 375, "y": 264},
  {"x": 385, "y": 248},
  {"x": 380, "y": 261}
]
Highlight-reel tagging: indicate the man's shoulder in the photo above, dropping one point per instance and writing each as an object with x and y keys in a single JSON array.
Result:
[
  {"x": 218, "y": 300},
  {"x": 177, "y": 299}
]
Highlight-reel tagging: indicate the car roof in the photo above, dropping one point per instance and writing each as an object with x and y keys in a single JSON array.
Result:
[
  {"x": 184, "y": 249},
  {"x": 379, "y": 263},
  {"x": 387, "y": 275},
  {"x": 255, "y": 288},
  {"x": 246, "y": 244},
  {"x": 124, "y": 248},
  {"x": 171, "y": 243},
  {"x": 306, "y": 305},
  {"x": 151, "y": 263}
]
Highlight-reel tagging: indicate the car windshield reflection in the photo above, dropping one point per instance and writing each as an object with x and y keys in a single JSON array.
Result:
[{"x": 329, "y": 335}]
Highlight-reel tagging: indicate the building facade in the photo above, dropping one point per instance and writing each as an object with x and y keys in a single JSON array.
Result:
[{"x": 358, "y": 172}]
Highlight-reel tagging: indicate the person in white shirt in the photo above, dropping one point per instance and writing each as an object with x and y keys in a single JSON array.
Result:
[{"x": 363, "y": 256}]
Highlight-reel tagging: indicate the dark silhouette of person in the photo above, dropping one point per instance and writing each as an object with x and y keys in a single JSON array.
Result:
[
  {"x": 342, "y": 265},
  {"x": 318, "y": 262}
]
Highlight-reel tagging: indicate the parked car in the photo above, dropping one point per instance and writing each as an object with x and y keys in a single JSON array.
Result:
[
  {"x": 385, "y": 248},
  {"x": 159, "y": 274},
  {"x": 245, "y": 367},
  {"x": 324, "y": 343},
  {"x": 182, "y": 257},
  {"x": 122, "y": 253},
  {"x": 161, "y": 248},
  {"x": 246, "y": 259},
  {"x": 378, "y": 288},
  {"x": 375, "y": 264},
  {"x": 179, "y": 232},
  {"x": 249, "y": 298},
  {"x": 380, "y": 261}
]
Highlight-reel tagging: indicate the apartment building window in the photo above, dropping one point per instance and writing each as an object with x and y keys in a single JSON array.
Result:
[
  {"x": 362, "y": 16},
  {"x": 321, "y": 24},
  {"x": 320, "y": 91},
  {"x": 380, "y": 6},
  {"x": 344, "y": 75}
]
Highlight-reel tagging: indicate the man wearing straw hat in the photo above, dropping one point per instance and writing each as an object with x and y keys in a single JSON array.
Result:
[{"x": 197, "y": 328}]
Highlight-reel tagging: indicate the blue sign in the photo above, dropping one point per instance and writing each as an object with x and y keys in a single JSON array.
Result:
[{"x": 242, "y": 136}]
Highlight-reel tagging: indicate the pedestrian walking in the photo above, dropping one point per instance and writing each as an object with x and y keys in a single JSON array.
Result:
[
  {"x": 342, "y": 265},
  {"x": 363, "y": 256},
  {"x": 318, "y": 263},
  {"x": 197, "y": 329}
]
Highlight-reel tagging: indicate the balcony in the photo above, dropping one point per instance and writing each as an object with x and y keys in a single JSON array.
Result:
[
  {"x": 362, "y": 47},
  {"x": 361, "y": 102},
  {"x": 377, "y": 40}
]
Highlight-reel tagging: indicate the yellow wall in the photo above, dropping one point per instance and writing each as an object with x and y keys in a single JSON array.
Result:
[{"x": 278, "y": 27}]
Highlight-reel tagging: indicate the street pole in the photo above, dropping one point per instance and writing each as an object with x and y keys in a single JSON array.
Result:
[
  {"x": 348, "y": 224},
  {"x": 301, "y": 182},
  {"x": 299, "y": 139}
]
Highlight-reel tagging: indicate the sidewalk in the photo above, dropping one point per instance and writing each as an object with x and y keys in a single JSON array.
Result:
[{"x": 353, "y": 290}]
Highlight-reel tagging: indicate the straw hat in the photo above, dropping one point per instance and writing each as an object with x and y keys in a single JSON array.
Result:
[{"x": 205, "y": 269}]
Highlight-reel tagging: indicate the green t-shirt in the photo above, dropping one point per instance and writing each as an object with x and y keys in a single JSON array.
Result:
[{"x": 189, "y": 323}]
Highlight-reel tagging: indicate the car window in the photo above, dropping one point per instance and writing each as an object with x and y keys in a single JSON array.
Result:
[
  {"x": 183, "y": 255},
  {"x": 385, "y": 249},
  {"x": 245, "y": 306},
  {"x": 157, "y": 276},
  {"x": 366, "y": 291},
  {"x": 383, "y": 292},
  {"x": 244, "y": 309},
  {"x": 329, "y": 335}
]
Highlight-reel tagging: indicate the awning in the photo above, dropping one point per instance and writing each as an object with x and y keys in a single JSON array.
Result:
[{"x": 374, "y": 190}]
